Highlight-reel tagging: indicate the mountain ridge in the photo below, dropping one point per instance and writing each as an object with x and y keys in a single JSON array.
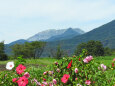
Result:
[
  {"x": 45, "y": 35},
  {"x": 103, "y": 33},
  {"x": 69, "y": 33}
]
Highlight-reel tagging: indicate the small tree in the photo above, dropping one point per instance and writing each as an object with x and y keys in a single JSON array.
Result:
[
  {"x": 59, "y": 52},
  {"x": 37, "y": 48},
  {"x": 93, "y": 47},
  {"x": 3, "y": 56}
]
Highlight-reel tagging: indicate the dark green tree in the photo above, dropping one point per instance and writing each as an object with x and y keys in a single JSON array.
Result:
[
  {"x": 79, "y": 48},
  {"x": 3, "y": 56},
  {"x": 17, "y": 50},
  {"x": 93, "y": 47},
  {"x": 59, "y": 52},
  {"x": 29, "y": 49},
  {"x": 107, "y": 51},
  {"x": 37, "y": 48}
]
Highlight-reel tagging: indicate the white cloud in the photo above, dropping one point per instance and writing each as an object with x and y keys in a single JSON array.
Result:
[{"x": 58, "y": 10}]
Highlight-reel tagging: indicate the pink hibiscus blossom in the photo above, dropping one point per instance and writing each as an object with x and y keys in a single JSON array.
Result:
[
  {"x": 20, "y": 69},
  {"x": 54, "y": 81},
  {"x": 76, "y": 70},
  {"x": 23, "y": 81},
  {"x": 88, "y": 59},
  {"x": 87, "y": 82},
  {"x": 103, "y": 67},
  {"x": 65, "y": 77},
  {"x": 27, "y": 75},
  {"x": 14, "y": 79},
  {"x": 114, "y": 59}
]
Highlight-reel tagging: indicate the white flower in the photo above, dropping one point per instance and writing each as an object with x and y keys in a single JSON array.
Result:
[{"x": 9, "y": 65}]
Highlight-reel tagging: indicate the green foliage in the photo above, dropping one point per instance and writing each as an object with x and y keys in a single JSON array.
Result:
[
  {"x": 59, "y": 53},
  {"x": 107, "y": 51},
  {"x": 3, "y": 56},
  {"x": 94, "y": 48},
  {"x": 20, "y": 60},
  {"x": 28, "y": 50},
  {"x": 86, "y": 71}
]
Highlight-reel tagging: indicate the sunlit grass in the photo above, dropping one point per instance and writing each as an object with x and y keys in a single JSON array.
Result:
[
  {"x": 47, "y": 62},
  {"x": 105, "y": 59}
]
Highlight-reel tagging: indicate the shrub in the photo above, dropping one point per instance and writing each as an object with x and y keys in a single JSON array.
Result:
[
  {"x": 79, "y": 70},
  {"x": 94, "y": 48}
]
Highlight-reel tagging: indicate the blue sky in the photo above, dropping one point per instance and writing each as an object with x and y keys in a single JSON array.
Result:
[{"x": 20, "y": 19}]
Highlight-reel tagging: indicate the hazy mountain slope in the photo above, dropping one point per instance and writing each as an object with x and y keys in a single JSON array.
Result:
[
  {"x": 20, "y": 41},
  {"x": 46, "y": 35},
  {"x": 8, "y": 49},
  {"x": 104, "y": 33},
  {"x": 69, "y": 33}
]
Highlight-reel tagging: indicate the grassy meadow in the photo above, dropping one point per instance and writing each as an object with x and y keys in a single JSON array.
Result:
[
  {"x": 47, "y": 62},
  {"x": 36, "y": 67}
]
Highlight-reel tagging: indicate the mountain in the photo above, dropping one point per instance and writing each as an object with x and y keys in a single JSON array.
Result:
[
  {"x": 8, "y": 49},
  {"x": 104, "y": 33},
  {"x": 20, "y": 41},
  {"x": 45, "y": 35},
  {"x": 69, "y": 33}
]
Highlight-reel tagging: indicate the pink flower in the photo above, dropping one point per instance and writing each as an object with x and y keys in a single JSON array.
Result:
[
  {"x": 44, "y": 79},
  {"x": 76, "y": 79},
  {"x": 54, "y": 81},
  {"x": 51, "y": 84},
  {"x": 103, "y": 67},
  {"x": 44, "y": 73},
  {"x": 20, "y": 69},
  {"x": 14, "y": 79},
  {"x": 85, "y": 60},
  {"x": 42, "y": 85},
  {"x": 45, "y": 83},
  {"x": 65, "y": 77},
  {"x": 76, "y": 70},
  {"x": 114, "y": 59},
  {"x": 27, "y": 75},
  {"x": 22, "y": 81},
  {"x": 87, "y": 82},
  {"x": 38, "y": 83},
  {"x": 88, "y": 59}
]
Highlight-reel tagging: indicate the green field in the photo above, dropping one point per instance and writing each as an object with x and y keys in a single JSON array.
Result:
[
  {"x": 36, "y": 67},
  {"x": 44, "y": 62}
]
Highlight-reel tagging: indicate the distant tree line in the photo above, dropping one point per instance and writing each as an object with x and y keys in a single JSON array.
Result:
[
  {"x": 35, "y": 49},
  {"x": 29, "y": 49}
]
